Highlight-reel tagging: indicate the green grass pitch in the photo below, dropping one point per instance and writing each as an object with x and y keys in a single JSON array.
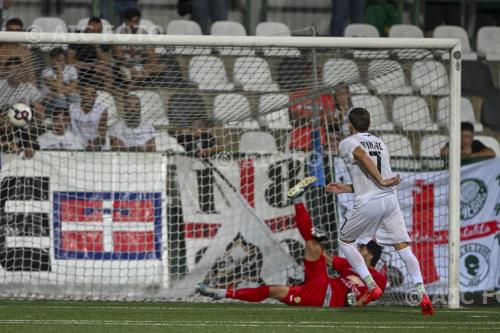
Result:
[{"x": 125, "y": 317}]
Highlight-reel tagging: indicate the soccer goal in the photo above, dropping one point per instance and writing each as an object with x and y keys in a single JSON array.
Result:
[{"x": 156, "y": 162}]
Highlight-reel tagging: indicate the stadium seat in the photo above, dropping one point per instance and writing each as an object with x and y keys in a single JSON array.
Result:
[
  {"x": 411, "y": 113},
  {"x": 165, "y": 142},
  {"x": 400, "y": 150},
  {"x": 152, "y": 110},
  {"x": 430, "y": 78},
  {"x": 451, "y": 31},
  {"x": 150, "y": 27},
  {"x": 276, "y": 29},
  {"x": 49, "y": 24},
  {"x": 387, "y": 77},
  {"x": 107, "y": 28},
  {"x": 489, "y": 142},
  {"x": 209, "y": 73},
  {"x": 186, "y": 27},
  {"x": 230, "y": 28},
  {"x": 360, "y": 30},
  {"x": 490, "y": 112},
  {"x": 273, "y": 110},
  {"x": 253, "y": 74},
  {"x": 376, "y": 108},
  {"x": 257, "y": 142},
  {"x": 488, "y": 43},
  {"x": 430, "y": 150},
  {"x": 336, "y": 71},
  {"x": 476, "y": 79},
  {"x": 405, "y": 31},
  {"x": 186, "y": 108},
  {"x": 227, "y": 28},
  {"x": 466, "y": 113},
  {"x": 294, "y": 74},
  {"x": 233, "y": 110}
]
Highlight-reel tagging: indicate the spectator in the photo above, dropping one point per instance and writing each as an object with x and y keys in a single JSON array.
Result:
[
  {"x": 437, "y": 13},
  {"x": 203, "y": 144},
  {"x": 20, "y": 50},
  {"x": 206, "y": 12},
  {"x": 343, "y": 104},
  {"x": 93, "y": 57},
  {"x": 382, "y": 14},
  {"x": 138, "y": 63},
  {"x": 20, "y": 141},
  {"x": 4, "y": 4},
  {"x": 89, "y": 117},
  {"x": 60, "y": 81},
  {"x": 131, "y": 133},
  {"x": 470, "y": 149},
  {"x": 16, "y": 88},
  {"x": 343, "y": 10},
  {"x": 113, "y": 10},
  {"x": 61, "y": 137}
]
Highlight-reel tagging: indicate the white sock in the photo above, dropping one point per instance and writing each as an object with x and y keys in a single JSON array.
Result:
[
  {"x": 357, "y": 262},
  {"x": 413, "y": 268}
]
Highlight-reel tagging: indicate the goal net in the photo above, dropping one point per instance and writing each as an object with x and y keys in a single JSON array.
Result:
[{"x": 153, "y": 163}]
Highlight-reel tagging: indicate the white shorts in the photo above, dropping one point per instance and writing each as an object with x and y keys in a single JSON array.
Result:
[{"x": 380, "y": 219}]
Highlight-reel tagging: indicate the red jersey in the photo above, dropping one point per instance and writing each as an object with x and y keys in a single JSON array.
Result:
[
  {"x": 320, "y": 290},
  {"x": 304, "y": 108}
]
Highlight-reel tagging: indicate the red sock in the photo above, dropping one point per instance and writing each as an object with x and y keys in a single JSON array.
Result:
[
  {"x": 303, "y": 221},
  {"x": 249, "y": 294}
]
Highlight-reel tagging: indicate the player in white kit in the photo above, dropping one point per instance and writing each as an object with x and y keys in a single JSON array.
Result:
[{"x": 376, "y": 211}]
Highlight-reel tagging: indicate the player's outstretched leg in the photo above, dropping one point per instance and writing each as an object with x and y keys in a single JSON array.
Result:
[
  {"x": 413, "y": 267},
  {"x": 257, "y": 294}
]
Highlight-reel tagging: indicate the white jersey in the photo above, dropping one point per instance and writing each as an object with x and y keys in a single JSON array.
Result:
[
  {"x": 365, "y": 188},
  {"x": 68, "y": 141},
  {"x": 70, "y": 73},
  {"x": 132, "y": 137},
  {"x": 24, "y": 92},
  {"x": 86, "y": 125}
]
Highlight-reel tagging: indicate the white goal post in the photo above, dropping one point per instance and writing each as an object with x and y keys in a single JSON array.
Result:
[{"x": 164, "y": 44}]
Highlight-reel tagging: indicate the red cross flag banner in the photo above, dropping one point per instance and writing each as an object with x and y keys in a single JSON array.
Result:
[{"x": 423, "y": 198}]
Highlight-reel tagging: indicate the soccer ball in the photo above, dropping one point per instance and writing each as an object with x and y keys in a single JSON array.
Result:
[{"x": 20, "y": 115}]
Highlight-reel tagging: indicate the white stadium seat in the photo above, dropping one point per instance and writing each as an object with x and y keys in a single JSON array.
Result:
[
  {"x": 405, "y": 31},
  {"x": 400, "y": 150},
  {"x": 107, "y": 28},
  {"x": 430, "y": 150},
  {"x": 466, "y": 113},
  {"x": 253, "y": 74},
  {"x": 187, "y": 27},
  {"x": 234, "y": 111},
  {"x": 377, "y": 111},
  {"x": 430, "y": 78},
  {"x": 411, "y": 113},
  {"x": 152, "y": 109},
  {"x": 387, "y": 77},
  {"x": 451, "y": 31},
  {"x": 49, "y": 24},
  {"x": 209, "y": 73},
  {"x": 230, "y": 28},
  {"x": 336, "y": 71},
  {"x": 489, "y": 142},
  {"x": 360, "y": 30},
  {"x": 276, "y": 29},
  {"x": 257, "y": 142},
  {"x": 488, "y": 43},
  {"x": 274, "y": 111},
  {"x": 150, "y": 27}
]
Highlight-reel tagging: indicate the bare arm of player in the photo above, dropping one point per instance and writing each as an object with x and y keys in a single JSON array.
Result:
[
  {"x": 339, "y": 188},
  {"x": 367, "y": 164}
]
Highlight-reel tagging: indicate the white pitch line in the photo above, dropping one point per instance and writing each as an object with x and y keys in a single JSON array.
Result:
[{"x": 214, "y": 324}]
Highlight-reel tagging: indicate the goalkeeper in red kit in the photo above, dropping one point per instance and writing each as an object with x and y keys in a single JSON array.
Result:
[{"x": 318, "y": 289}]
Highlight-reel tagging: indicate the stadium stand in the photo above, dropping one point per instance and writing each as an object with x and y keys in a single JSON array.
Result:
[
  {"x": 388, "y": 78},
  {"x": 107, "y": 28},
  {"x": 405, "y": 31},
  {"x": 423, "y": 72},
  {"x": 411, "y": 113},
  {"x": 253, "y": 74},
  {"x": 273, "y": 111},
  {"x": 490, "y": 142},
  {"x": 209, "y": 73},
  {"x": 477, "y": 79},
  {"x": 466, "y": 113},
  {"x": 375, "y": 106},
  {"x": 490, "y": 113},
  {"x": 450, "y": 31},
  {"x": 230, "y": 107},
  {"x": 257, "y": 142},
  {"x": 336, "y": 71}
]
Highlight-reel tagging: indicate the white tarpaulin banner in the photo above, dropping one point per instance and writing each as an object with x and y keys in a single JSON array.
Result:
[{"x": 423, "y": 197}]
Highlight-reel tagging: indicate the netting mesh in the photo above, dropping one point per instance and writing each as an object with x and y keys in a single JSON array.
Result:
[{"x": 148, "y": 169}]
